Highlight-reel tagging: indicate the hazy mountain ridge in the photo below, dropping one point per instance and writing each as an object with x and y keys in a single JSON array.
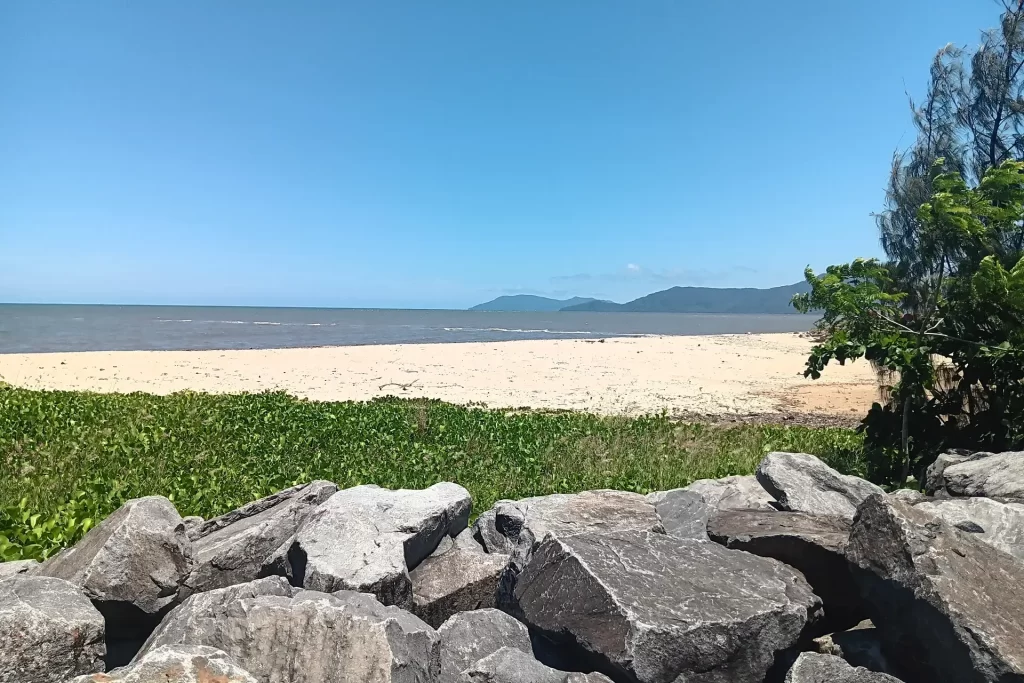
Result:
[
  {"x": 747, "y": 300},
  {"x": 741, "y": 300},
  {"x": 530, "y": 303}
]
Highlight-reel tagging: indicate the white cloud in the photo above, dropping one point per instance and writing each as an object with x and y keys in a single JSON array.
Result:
[{"x": 633, "y": 268}]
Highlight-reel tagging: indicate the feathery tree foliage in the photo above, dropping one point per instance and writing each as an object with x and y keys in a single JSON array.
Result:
[{"x": 972, "y": 116}]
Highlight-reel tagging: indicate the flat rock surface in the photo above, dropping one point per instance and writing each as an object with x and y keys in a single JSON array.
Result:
[
  {"x": 9, "y": 569},
  {"x": 238, "y": 547},
  {"x": 310, "y": 637},
  {"x": 464, "y": 541},
  {"x": 947, "y": 604},
  {"x": 193, "y": 616},
  {"x": 997, "y": 475},
  {"x": 734, "y": 493},
  {"x": 367, "y": 538},
  {"x": 657, "y": 608},
  {"x": 817, "y": 668},
  {"x": 803, "y": 483},
  {"x": 934, "y": 480},
  {"x": 49, "y": 631},
  {"x": 815, "y": 545},
  {"x": 683, "y": 512},
  {"x": 568, "y": 514},
  {"x": 338, "y": 548},
  {"x": 176, "y": 664},
  {"x": 468, "y": 637},
  {"x": 202, "y": 528},
  {"x": 424, "y": 516},
  {"x": 511, "y": 665},
  {"x": 998, "y": 524},
  {"x": 528, "y": 520},
  {"x": 134, "y": 562},
  {"x": 739, "y": 528},
  {"x": 456, "y": 581},
  {"x": 467, "y": 541}
]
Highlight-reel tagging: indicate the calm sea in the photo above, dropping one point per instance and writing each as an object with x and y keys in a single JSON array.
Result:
[{"x": 36, "y": 328}]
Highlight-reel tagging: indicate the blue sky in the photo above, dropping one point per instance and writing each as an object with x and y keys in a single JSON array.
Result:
[{"x": 438, "y": 154}]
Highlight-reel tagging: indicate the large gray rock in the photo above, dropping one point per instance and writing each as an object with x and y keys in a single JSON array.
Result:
[
  {"x": 813, "y": 544},
  {"x": 658, "y": 608},
  {"x": 456, "y": 581},
  {"x": 803, "y": 483},
  {"x": 734, "y": 493},
  {"x": 998, "y": 524},
  {"x": 341, "y": 549},
  {"x": 194, "y": 615},
  {"x": 367, "y": 538},
  {"x": 423, "y": 516},
  {"x": 817, "y": 668},
  {"x": 992, "y": 475},
  {"x": 527, "y": 521},
  {"x": 49, "y": 631},
  {"x": 934, "y": 481},
  {"x": 310, "y": 637},
  {"x": 567, "y": 514},
  {"x": 683, "y": 512},
  {"x": 132, "y": 565},
  {"x": 176, "y": 664},
  {"x": 468, "y": 637},
  {"x": 240, "y": 546},
  {"x": 948, "y": 605},
  {"x": 486, "y": 532},
  {"x": 511, "y": 665},
  {"x": 9, "y": 569},
  {"x": 465, "y": 541}
]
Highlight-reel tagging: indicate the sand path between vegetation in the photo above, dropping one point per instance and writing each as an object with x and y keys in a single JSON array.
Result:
[{"x": 711, "y": 375}]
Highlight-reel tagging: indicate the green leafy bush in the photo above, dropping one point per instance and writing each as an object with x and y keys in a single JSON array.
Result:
[
  {"x": 71, "y": 458},
  {"x": 30, "y": 535},
  {"x": 957, "y": 354}
]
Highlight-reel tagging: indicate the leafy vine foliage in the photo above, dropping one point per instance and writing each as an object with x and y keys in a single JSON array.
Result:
[{"x": 68, "y": 459}]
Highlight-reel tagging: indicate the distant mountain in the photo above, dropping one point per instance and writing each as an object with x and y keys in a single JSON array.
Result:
[
  {"x": 528, "y": 302},
  {"x": 705, "y": 300}
]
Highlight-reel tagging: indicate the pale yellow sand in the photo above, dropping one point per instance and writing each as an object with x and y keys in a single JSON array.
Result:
[{"x": 713, "y": 375}]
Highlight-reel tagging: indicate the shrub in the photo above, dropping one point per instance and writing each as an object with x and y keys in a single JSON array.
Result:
[{"x": 957, "y": 352}]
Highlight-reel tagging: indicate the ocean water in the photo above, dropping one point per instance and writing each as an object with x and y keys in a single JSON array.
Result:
[{"x": 26, "y": 328}]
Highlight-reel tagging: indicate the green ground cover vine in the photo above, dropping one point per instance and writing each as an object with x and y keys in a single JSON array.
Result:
[{"x": 68, "y": 459}]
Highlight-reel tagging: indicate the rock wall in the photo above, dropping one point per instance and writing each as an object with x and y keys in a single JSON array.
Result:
[{"x": 799, "y": 574}]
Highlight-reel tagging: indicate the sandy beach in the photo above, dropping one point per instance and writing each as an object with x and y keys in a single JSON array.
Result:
[{"x": 712, "y": 375}]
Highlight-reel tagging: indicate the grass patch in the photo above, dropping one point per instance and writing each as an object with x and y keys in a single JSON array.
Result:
[{"x": 70, "y": 458}]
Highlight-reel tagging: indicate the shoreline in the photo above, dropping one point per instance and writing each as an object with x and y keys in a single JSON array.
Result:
[
  {"x": 88, "y": 328},
  {"x": 555, "y": 336},
  {"x": 712, "y": 375}
]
